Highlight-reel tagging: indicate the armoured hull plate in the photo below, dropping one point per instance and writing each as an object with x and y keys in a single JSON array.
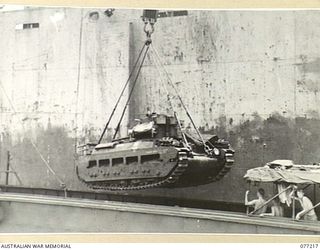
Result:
[
  {"x": 128, "y": 162},
  {"x": 131, "y": 165}
]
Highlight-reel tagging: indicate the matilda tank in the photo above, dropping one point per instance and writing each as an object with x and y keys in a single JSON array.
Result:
[{"x": 156, "y": 153}]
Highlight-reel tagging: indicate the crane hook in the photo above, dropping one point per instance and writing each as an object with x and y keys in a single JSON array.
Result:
[
  {"x": 148, "y": 32},
  {"x": 149, "y": 17}
]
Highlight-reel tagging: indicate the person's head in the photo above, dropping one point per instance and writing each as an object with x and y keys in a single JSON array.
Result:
[
  {"x": 300, "y": 193},
  {"x": 260, "y": 193}
]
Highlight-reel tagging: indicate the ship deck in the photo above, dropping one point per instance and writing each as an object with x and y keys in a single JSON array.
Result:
[{"x": 27, "y": 213}]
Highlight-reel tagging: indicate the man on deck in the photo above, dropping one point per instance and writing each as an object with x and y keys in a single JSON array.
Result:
[
  {"x": 307, "y": 212},
  {"x": 257, "y": 203}
]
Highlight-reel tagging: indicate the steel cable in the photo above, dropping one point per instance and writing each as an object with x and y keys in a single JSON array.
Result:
[
  {"x": 123, "y": 89},
  {"x": 131, "y": 91}
]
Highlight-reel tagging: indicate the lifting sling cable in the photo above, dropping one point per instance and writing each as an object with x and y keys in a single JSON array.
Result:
[
  {"x": 42, "y": 158},
  {"x": 169, "y": 99},
  {"x": 131, "y": 91},
  {"x": 183, "y": 135},
  {"x": 180, "y": 99},
  {"x": 121, "y": 94},
  {"x": 162, "y": 80}
]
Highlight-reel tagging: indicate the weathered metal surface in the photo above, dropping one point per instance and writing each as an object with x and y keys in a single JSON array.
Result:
[
  {"x": 235, "y": 68},
  {"x": 140, "y": 197},
  {"x": 24, "y": 213}
]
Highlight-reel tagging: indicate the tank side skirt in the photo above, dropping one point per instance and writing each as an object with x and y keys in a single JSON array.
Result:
[{"x": 171, "y": 178}]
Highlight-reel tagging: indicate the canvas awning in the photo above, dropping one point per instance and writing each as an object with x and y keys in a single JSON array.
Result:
[{"x": 275, "y": 172}]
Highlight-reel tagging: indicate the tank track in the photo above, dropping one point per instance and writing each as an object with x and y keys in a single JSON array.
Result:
[
  {"x": 228, "y": 164},
  {"x": 180, "y": 168}
]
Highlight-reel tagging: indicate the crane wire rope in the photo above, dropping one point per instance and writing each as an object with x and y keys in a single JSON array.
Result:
[
  {"x": 121, "y": 94},
  {"x": 132, "y": 89},
  {"x": 169, "y": 99},
  {"x": 206, "y": 148}
]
